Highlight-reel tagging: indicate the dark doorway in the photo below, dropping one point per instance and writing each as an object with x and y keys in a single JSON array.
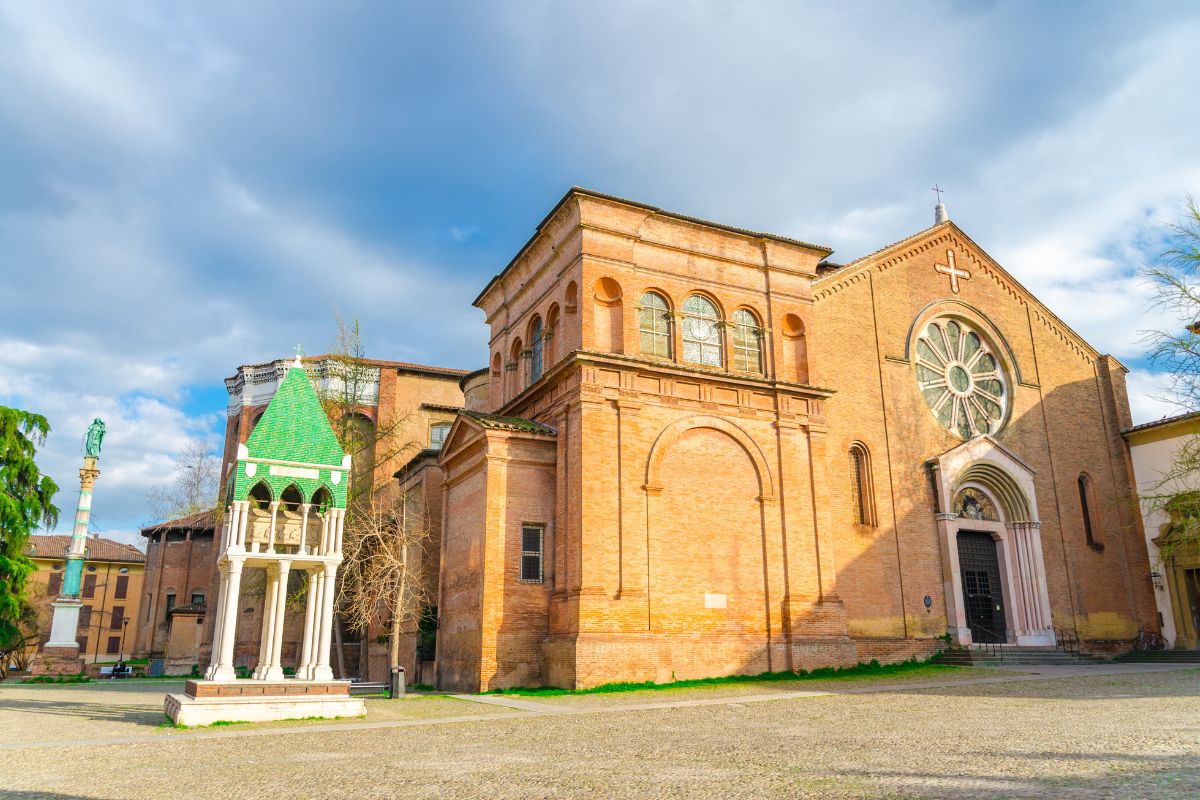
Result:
[
  {"x": 982, "y": 598},
  {"x": 1191, "y": 580}
]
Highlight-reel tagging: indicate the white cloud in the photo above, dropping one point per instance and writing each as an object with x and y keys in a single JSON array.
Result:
[{"x": 190, "y": 189}]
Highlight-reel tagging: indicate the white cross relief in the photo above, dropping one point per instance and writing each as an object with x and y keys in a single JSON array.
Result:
[{"x": 954, "y": 272}]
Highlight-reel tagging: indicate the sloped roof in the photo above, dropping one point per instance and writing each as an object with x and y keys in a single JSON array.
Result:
[
  {"x": 1145, "y": 426},
  {"x": 294, "y": 426},
  {"x": 201, "y": 520},
  {"x": 98, "y": 549},
  {"x": 188, "y": 608},
  {"x": 501, "y": 423}
]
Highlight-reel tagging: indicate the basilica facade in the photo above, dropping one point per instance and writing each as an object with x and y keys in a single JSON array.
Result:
[{"x": 698, "y": 450}]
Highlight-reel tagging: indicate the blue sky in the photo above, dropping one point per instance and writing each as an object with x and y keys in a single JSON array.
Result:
[{"x": 189, "y": 187}]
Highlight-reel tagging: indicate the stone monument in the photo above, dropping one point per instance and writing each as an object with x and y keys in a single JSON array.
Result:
[
  {"x": 285, "y": 504},
  {"x": 61, "y": 655}
]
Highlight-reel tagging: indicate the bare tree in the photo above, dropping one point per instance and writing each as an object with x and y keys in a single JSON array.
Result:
[
  {"x": 193, "y": 488},
  {"x": 383, "y": 582},
  {"x": 380, "y": 581},
  {"x": 1175, "y": 280}
]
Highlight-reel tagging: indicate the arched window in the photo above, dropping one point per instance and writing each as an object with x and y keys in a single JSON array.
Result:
[
  {"x": 701, "y": 332},
  {"x": 549, "y": 353},
  {"x": 1086, "y": 507},
  {"x": 536, "y": 347},
  {"x": 654, "y": 325},
  {"x": 861, "y": 490},
  {"x": 513, "y": 367},
  {"x": 291, "y": 499},
  {"x": 321, "y": 500},
  {"x": 260, "y": 496},
  {"x": 747, "y": 342}
]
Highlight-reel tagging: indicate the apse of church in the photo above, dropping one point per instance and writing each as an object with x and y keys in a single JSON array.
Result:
[{"x": 712, "y": 451}]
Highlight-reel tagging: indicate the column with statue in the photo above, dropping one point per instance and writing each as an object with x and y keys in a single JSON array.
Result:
[{"x": 61, "y": 654}]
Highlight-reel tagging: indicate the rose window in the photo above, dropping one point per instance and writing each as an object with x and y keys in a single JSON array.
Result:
[{"x": 960, "y": 379}]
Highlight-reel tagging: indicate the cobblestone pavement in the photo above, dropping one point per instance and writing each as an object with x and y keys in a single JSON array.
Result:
[{"x": 1123, "y": 734}]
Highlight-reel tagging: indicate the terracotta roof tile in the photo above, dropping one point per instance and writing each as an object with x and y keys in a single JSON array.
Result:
[
  {"x": 501, "y": 423},
  {"x": 201, "y": 520},
  {"x": 98, "y": 549}
]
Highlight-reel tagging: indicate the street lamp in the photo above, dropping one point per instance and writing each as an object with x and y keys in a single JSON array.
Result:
[{"x": 124, "y": 625}]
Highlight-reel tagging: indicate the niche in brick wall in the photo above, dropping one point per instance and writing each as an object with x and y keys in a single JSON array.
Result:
[
  {"x": 795, "y": 350},
  {"x": 607, "y": 325}
]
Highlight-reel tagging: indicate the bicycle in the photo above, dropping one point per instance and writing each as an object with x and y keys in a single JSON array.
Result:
[{"x": 1149, "y": 640}]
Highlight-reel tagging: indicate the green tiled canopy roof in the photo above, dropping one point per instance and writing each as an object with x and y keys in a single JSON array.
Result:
[{"x": 295, "y": 430}]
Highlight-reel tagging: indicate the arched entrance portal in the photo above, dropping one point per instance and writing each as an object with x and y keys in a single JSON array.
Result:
[{"x": 994, "y": 575}]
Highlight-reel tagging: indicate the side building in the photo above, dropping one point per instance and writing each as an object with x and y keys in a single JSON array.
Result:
[
  {"x": 413, "y": 404},
  {"x": 113, "y": 576},
  {"x": 1170, "y": 502}
]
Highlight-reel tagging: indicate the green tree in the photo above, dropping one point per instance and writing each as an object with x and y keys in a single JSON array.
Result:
[{"x": 25, "y": 503}]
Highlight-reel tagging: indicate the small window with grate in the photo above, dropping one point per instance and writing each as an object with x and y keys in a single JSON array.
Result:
[{"x": 532, "y": 542}]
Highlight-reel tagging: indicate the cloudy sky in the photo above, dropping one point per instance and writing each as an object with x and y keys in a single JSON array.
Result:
[{"x": 188, "y": 187}]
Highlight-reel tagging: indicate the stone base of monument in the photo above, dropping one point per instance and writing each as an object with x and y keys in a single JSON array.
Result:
[
  {"x": 61, "y": 661},
  {"x": 206, "y": 702}
]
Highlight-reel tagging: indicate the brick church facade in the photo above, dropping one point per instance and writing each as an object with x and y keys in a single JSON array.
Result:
[
  {"x": 709, "y": 451},
  {"x": 698, "y": 450}
]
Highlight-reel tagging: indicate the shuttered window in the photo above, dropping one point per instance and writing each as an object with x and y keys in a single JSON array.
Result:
[
  {"x": 114, "y": 645},
  {"x": 532, "y": 541},
  {"x": 55, "y": 584},
  {"x": 122, "y": 587},
  {"x": 89, "y": 585},
  {"x": 85, "y": 616},
  {"x": 118, "y": 615}
]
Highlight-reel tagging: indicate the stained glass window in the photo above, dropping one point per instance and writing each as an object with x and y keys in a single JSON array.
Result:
[
  {"x": 701, "y": 332},
  {"x": 747, "y": 342},
  {"x": 654, "y": 325},
  {"x": 960, "y": 378}
]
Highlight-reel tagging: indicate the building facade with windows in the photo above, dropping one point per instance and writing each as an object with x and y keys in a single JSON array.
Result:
[
  {"x": 111, "y": 592},
  {"x": 708, "y": 451},
  {"x": 1164, "y": 453},
  {"x": 415, "y": 404}
]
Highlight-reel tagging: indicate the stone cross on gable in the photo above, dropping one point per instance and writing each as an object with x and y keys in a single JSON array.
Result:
[{"x": 953, "y": 271}]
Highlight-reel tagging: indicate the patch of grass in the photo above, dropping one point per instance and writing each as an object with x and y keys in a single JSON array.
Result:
[
  {"x": 870, "y": 670},
  {"x": 422, "y": 687},
  {"x": 167, "y": 723},
  {"x": 58, "y": 679}
]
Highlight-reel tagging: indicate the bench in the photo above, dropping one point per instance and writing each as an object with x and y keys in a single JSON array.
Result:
[{"x": 114, "y": 673}]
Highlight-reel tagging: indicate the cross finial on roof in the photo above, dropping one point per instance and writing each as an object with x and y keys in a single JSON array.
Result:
[
  {"x": 299, "y": 352},
  {"x": 937, "y": 189}
]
